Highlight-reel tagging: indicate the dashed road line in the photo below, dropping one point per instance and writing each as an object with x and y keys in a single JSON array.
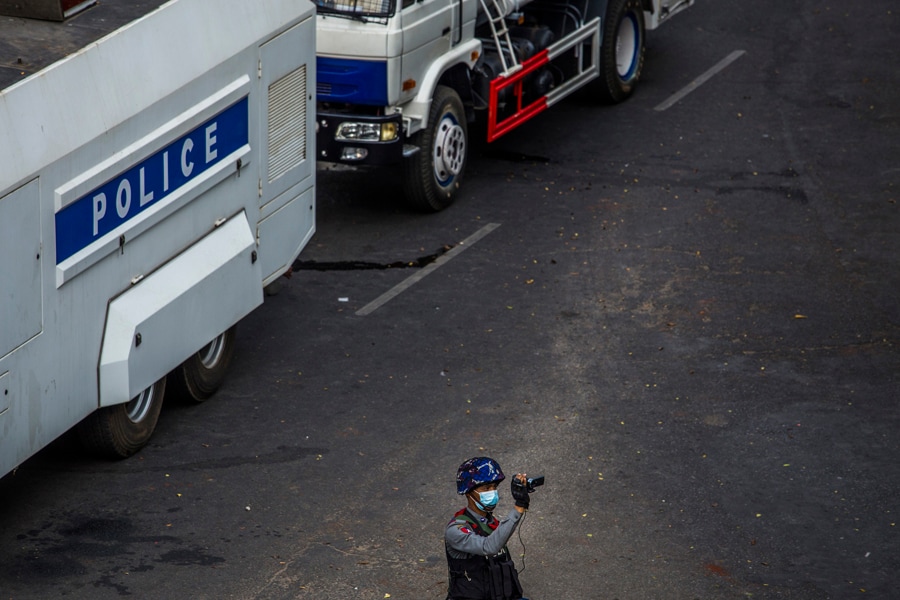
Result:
[
  {"x": 700, "y": 80},
  {"x": 418, "y": 276}
]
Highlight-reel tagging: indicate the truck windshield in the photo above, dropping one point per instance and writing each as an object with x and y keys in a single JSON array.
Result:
[{"x": 363, "y": 10}]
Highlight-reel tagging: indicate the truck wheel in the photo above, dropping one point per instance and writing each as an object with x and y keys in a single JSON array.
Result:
[
  {"x": 432, "y": 175},
  {"x": 622, "y": 50},
  {"x": 200, "y": 376},
  {"x": 120, "y": 431}
]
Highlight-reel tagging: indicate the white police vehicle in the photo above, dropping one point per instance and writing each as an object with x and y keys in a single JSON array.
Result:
[{"x": 156, "y": 173}]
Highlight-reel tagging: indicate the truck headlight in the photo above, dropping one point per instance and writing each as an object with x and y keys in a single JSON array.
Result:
[
  {"x": 389, "y": 132},
  {"x": 366, "y": 132}
]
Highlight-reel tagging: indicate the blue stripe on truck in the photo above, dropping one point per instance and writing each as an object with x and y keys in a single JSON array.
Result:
[{"x": 351, "y": 81}]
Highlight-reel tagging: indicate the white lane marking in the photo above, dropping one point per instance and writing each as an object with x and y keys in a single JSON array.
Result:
[
  {"x": 700, "y": 80},
  {"x": 422, "y": 273}
]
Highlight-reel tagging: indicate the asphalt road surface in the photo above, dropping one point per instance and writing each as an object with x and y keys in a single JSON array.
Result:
[{"x": 685, "y": 314}]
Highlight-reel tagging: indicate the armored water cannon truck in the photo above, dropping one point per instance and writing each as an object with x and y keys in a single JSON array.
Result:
[
  {"x": 156, "y": 173},
  {"x": 400, "y": 80}
]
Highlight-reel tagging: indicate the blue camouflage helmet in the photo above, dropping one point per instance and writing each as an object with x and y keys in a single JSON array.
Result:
[{"x": 477, "y": 471}]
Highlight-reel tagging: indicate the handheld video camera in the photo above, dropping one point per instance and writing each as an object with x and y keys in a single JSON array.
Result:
[{"x": 533, "y": 482}]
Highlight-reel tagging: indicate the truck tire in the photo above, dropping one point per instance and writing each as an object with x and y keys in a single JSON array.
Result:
[
  {"x": 201, "y": 375},
  {"x": 622, "y": 51},
  {"x": 432, "y": 176},
  {"x": 120, "y": 431}
]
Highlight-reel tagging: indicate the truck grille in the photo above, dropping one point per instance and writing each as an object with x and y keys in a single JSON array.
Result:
[{"x": 287, "y": 123}]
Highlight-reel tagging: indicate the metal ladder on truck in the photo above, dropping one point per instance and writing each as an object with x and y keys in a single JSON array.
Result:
[
  {"x": 514, "y": 72},
  {"x": 500, "y": 33}
]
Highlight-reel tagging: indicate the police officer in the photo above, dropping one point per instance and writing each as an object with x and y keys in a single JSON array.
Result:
[{"x": 478, "y": 559}]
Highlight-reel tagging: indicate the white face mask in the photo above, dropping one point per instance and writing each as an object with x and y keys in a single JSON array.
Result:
[{"x": 488, "y": 499}]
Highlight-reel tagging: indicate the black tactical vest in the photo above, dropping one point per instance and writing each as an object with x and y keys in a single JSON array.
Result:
[{"x": 483, "y": 577}]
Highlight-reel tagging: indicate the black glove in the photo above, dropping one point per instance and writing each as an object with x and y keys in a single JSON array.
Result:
[{"x": 520, "y": 493}]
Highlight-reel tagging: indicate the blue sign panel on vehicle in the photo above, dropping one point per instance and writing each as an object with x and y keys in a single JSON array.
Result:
[{"x": 131, "y": 192}]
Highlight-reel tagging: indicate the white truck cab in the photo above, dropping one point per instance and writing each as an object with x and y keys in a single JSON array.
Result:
[{"x": 399, "y": 80}]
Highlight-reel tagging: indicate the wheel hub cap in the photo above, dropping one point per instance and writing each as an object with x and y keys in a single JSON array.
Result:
[
  {"x": 449, "y": 149},
  {"x": 140, "y": 405},
  {"x": 627, "y": 47},
  {"x": 211, "y": 353}
]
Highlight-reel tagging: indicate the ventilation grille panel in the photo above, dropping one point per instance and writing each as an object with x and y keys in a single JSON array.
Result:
[{"x": 287, "y": 123}]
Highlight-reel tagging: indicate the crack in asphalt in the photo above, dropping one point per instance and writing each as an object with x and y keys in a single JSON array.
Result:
[{"x": 362, "y": 265}]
